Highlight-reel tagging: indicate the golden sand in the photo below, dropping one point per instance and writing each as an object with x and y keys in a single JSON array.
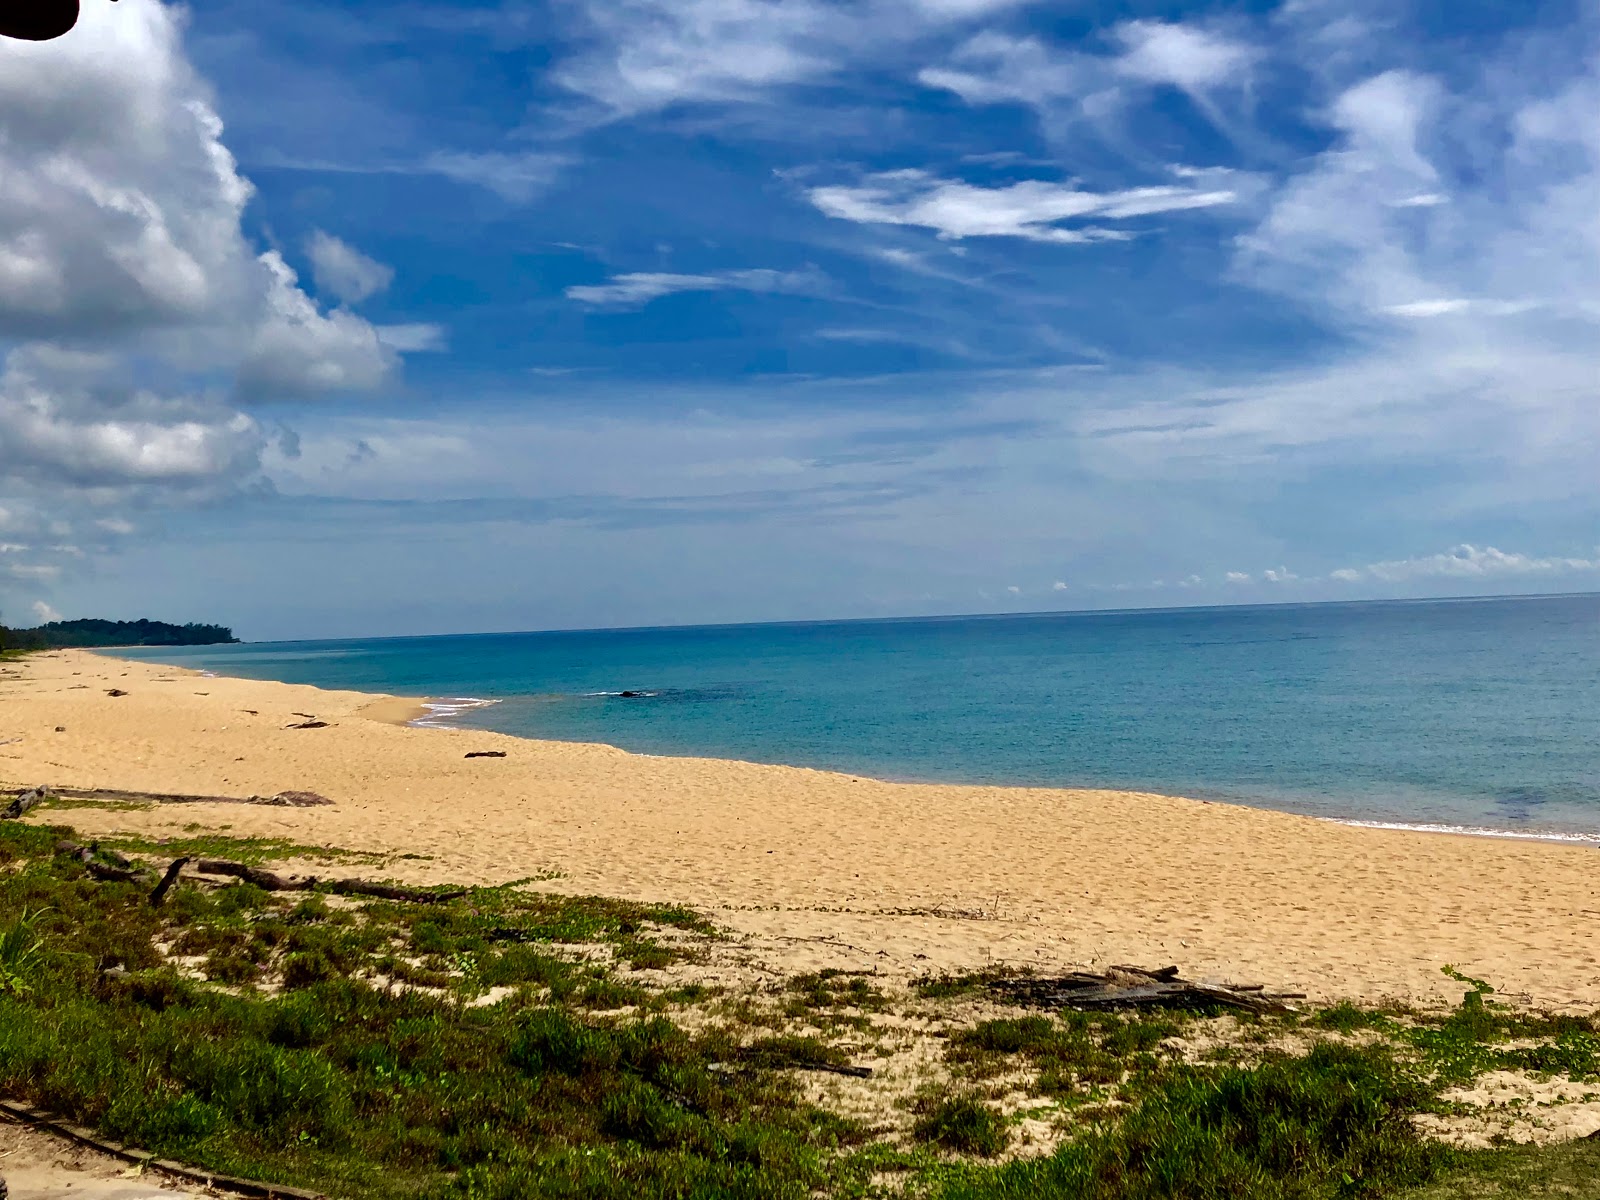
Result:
[{"x": 817, "y": 866}]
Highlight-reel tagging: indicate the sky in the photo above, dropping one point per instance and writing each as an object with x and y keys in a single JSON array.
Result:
[{"x": 344, "y": 319}]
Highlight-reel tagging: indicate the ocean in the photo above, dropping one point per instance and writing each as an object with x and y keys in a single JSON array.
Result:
[{"x": 1479, "y": 714}]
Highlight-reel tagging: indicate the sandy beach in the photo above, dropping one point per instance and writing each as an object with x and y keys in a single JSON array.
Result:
[{"x": 821, "y": 868}]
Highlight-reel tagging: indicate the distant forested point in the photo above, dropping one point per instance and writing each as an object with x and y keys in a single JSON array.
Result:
[{"x": 57, "y": 635}]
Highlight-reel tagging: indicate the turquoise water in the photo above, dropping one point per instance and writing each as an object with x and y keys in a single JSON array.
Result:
[{"x": 1482, "y": 713}]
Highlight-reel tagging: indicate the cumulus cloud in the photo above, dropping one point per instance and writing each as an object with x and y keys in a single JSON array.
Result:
[
  {"x": 1031, "y": 209},
  {"x": 56, "y": 430},
  {"x": 343, "y": 271},
  {"x": 636, "y": 289},
  {"x": 44, "y": 612},
  {"x": 135, "y": 315},
  {"x": 298, "y": 350}
]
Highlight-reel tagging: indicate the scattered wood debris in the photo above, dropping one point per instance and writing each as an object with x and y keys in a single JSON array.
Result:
[
  {"x": 1136, "y": 987},
  {"x": 484, "y": 754},
  {"x": 278, "y": 800},
  {"x": 307, "y": 725},
  {"x": 115, "y": 692}
]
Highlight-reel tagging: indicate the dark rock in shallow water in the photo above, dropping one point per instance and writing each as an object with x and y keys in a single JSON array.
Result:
[{"x": 632, "y": 695}]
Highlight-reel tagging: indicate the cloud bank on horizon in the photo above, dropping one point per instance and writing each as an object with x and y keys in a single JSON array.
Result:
[{"x": 354, "y": 318}]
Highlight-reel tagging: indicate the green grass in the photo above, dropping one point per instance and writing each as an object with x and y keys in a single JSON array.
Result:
[
  {"x": 252, "y": 851},
  {"x": 348, "y": 1045},
  {"x": 1327, "y": 1124},
  {"x": 1570, "y": 1171},
  {"x": 963, "y": 1124}
]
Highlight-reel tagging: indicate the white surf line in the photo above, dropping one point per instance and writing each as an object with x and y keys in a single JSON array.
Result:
[
  {"x": 1580, "y": 839},
  {"x": 443, "y": 710}
]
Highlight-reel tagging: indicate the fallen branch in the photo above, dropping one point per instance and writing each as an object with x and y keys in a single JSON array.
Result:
[{"x": 159, "y": 895}]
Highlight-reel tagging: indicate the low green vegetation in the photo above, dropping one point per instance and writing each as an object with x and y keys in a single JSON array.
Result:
[
  {"x": 510, "y": 1042},
  {"x": 55, "y": 635}
]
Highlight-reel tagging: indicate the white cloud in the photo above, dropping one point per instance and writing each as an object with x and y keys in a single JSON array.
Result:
[
  {"x": 1345, "y": 575},
  {"x": 1429, "y": 308},
  {"x": 1280, "y": 575},
  {"x": 1237, "y": 577},
  {"x": 44, "y": 612},
  {"x": 115, "y": 525},
  {"x": 1031, "y": 209},
  {"x": 1467, "y": 561},
  {"x": 517, "y": 178},
  {"x": 1014, "y": 590},
  {"x": 1184, "y": 56},
  {"x": 298, "y": 350},
  {"x": 343, "y": 271},
  {"x": 638, "y": 288},
  {"x": 1059, "y": 586},
  {"x": 994, "y": 67},
  {"x": 415, "y": 338},
  {"x": 644, "y": 55}
]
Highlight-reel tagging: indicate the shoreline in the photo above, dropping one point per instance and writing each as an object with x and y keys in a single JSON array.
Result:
[
  {"x": 816, "y": 869},
  {"x": 440, "y": 712}
]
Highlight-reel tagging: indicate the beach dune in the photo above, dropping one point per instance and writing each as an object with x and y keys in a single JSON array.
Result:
[{"x": 812, "y": 866}]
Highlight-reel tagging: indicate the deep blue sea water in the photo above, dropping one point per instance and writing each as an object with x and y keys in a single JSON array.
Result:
[{"x": 1481, "y": 713}]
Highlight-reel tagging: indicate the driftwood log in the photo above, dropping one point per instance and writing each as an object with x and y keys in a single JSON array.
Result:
[
  {"x": 279, "y": 800},
  {"x": 272, "y": 882},
  {"x": 31, "y": 798},
  {"x": 1137, "y": 987}
]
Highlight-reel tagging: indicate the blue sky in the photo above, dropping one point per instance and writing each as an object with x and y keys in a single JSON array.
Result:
[{"x": 355, "y": 318}]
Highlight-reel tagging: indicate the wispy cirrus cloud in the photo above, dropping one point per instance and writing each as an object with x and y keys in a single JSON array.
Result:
[
  {"x": 1034, "y": 210},
  {"x": 640, "y": 56},
  {"x": 997, "y": 67},
  {"x": 635, "y": 289}
]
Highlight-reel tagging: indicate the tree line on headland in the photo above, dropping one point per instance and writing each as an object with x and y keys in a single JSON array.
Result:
[{"x": 55, "y": 635}]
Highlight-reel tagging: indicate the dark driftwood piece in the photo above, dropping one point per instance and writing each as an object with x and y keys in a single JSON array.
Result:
[
  {"x": 159, "y": 895},
  {"x": 265, "y": 880},
  {"x": 1136, "y": 987},
  {"x": 484, "y": 754},
  {"x": 389, "y": 891},
  {"x": 268, "y": 881},
  {"x": 108, "y": 872},
  {"x": 281, "y": 800},
  {"x": 31, "y": 798},
  {"x": 308, "y": 725}
]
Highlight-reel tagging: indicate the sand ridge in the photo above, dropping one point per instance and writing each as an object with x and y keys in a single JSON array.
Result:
[{"x": 826, "y": 867}]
